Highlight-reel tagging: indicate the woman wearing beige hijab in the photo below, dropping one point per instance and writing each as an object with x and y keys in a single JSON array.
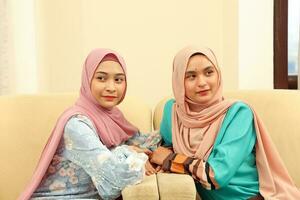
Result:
[{"x": 221, "y": 143}]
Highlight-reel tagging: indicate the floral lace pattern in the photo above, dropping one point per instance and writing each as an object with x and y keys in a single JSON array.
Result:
[
  {"x": 84, "y": 168},
  {"x": 147, "y": 141}
]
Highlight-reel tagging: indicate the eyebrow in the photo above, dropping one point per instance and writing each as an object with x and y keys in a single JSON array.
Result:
[
  {"x": 193, "y": 71},
  {"x": 190, "y": 72},
  {"x": 118, "y": 74},
  {"x": 209, "y": 67}
]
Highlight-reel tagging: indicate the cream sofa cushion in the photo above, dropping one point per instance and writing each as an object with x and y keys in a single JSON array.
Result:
[
  {"x": 176, "y": 187},
  {"x": 147, "y": 190}
]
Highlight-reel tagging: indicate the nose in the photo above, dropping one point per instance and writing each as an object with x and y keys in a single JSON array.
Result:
[
  {"x": 201, "y": 81},
  {"x": 110, "y": 86}
]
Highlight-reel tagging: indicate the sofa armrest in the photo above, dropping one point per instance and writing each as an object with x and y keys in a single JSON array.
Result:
[
  {"x": 146, "y": 190},
  {"x": 176, "y": 187},
  {"x": 163, "y": 186}
]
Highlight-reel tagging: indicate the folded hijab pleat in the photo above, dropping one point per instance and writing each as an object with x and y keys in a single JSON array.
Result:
[
  {"x": 111, "y": 125},
  {"x": 274, "y": 180}
]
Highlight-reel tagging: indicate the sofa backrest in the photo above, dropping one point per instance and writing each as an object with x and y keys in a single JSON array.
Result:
[
  {"x": 280, "y": 111},
  {"x": 26, "y": 122}
]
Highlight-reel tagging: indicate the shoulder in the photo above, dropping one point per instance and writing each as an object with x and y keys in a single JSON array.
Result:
[
  {"x": 240, "y": 108},
  {"x": 77, "y": 122},
  {"x": 168, "y": 105},
  {"x": 167, "y": 111},
  {"x": 79, "y": 119},
  {"x": 80, "y": 132}
]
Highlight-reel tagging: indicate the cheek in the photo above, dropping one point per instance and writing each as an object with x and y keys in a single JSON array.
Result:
[
  {"x": 121, "y": 88},
  {"x": 188, "y": 87},
  {"x": 215, "y": 82},
  {"x": 96, "y": 87},
  {"x": 93, "y": 88}
]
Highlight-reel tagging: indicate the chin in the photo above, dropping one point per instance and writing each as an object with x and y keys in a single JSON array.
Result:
[{"x": 107, "y": 105}]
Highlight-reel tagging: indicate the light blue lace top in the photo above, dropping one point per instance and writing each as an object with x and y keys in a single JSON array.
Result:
[{"x": 84, "y": 168}]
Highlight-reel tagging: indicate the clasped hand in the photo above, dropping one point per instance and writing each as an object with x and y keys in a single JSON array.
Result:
[{"x": 156, "y": 158}]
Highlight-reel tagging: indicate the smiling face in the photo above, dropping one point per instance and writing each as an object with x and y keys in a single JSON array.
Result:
[
  {"x": 108, "y": 84},
  {"x": 201, "y": 79}
]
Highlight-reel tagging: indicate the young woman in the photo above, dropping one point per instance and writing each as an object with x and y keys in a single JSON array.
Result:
[
  {"x": 85, "y": 157},
  {"x": 221, "y": 143}
]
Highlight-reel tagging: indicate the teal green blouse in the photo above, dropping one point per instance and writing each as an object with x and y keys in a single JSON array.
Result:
[{"x": 233, "y": 156}]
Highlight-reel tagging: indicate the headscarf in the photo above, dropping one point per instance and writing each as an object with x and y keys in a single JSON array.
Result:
[
  {"x": 111, "y": 125},
  {"x": 274, "y": 180}
]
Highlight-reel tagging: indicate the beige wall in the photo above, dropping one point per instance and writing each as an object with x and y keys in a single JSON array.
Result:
[
  {"x": 59, "y": 44},
  {"x": 21, "y": 52},
  {"x": 255, "y": 44},
  {"x": 148, "y": 34}
]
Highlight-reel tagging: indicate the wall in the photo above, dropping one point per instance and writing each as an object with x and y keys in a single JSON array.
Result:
[
  {"x": 256, "y": 44},
  {"x": 148, "y": 35},
  {"x": 59, "y": 44},
  {"x": 20, "y": 52}
]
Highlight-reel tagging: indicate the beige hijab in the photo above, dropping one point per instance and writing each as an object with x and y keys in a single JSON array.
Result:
[{"x": 274, "y": 180}]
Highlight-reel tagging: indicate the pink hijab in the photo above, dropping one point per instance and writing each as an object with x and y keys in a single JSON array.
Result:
[
  {"x": 111, "y": 125},
  {"x": 274, "y": 180}
]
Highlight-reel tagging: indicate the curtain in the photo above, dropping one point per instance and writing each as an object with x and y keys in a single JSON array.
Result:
[
  {"x": 5, "y": 49},
  {"x": 299, "y": 54},
  {"x": 18, "y": 57}
]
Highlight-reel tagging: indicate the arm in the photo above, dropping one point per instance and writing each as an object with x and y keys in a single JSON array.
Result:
[
  {"x": 110, "y": 171},
  {"x": 228, "y": 154},
  {"x": 145, "y": 143},
  {"x": 148, "y": 141}
]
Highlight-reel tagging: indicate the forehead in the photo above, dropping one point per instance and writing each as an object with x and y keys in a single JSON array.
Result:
[
  {"x": 199, "y": 59},
  {"x": 199, "y": 62},
  {"x": 110, "y": 67}
]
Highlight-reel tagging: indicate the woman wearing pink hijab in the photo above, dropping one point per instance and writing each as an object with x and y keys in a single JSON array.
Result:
[
  {"x": 221, "y": 143},
  {"x": 85, "y": 156}
]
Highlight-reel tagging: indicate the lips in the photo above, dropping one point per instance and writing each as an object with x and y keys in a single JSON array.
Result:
[
  {"x": 109, "y": 98},
  {"x": 203, "y": 92}
]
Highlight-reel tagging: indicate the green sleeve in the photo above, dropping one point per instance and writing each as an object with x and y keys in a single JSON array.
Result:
[
  {"x": 234, "y": 144},
  {"x": 166, "y": 123}
]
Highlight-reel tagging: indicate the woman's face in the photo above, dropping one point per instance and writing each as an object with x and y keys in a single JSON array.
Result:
[
  {"x": 108, "y": 84},
  {"x": 201, "y": 79}
]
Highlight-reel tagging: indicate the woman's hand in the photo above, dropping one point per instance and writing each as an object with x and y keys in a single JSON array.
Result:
[
  {"x": 160, "y": 154},
  {"x": 149, "y": 168},
  {"x": 140, "y": 150}
]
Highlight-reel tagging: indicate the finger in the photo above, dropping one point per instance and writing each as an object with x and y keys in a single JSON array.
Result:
[
  {"x": 158, "y": 168},
  {"x": 150, "y": 168},
  {"x": 151, "y": 159},
  {"x": 147, "y": 151},
  {"x": 148, "y": 173}
]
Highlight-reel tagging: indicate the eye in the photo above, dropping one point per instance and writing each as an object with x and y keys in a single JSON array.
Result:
[
  {"x": 119, "y": 80},
  {"x": 209, "y": 72},
  {"x": 190, "y": 76},
  {"x": 101, "y": 78}
]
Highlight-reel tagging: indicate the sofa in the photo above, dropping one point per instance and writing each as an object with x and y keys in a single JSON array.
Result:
[{"x": 27, "y": 120}]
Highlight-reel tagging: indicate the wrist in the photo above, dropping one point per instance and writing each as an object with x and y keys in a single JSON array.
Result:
[
  {"x": 177, "y": 163},
  {"x": 166, "y": 165}
]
